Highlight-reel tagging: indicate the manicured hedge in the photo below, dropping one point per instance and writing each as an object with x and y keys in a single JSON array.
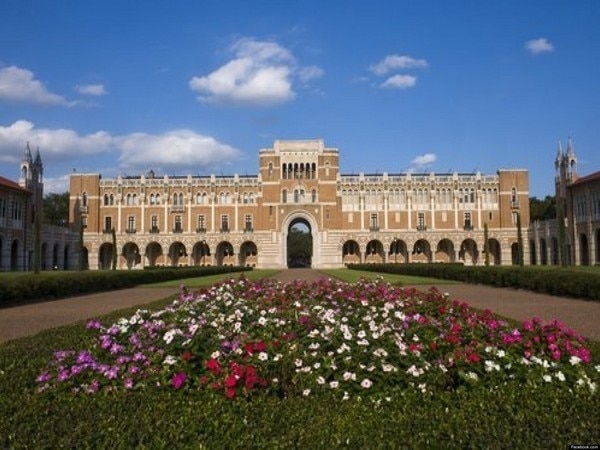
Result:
[
  {"x": 550, "y": 280},
  {"x": 27, "y": 287}
]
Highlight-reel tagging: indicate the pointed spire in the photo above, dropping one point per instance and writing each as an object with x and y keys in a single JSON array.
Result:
[
  {"x": 27, "y": 154},
  {"x": 38, "y": 158},
  {"x": 570, "y": 151}
]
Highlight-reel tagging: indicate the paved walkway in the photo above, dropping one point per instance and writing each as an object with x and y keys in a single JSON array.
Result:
[{"x": 20, "y": 321}]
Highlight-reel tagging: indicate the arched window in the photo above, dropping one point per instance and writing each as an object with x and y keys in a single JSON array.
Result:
[
  {"x": 314, "y": 196},
  {"x": 111, "y": 199},
  {"x": 296, "y": 196},
  {"x": 105, "y": 199},
  {"x": 284, "y": 196},
  {"x": 251, "y": 197}
]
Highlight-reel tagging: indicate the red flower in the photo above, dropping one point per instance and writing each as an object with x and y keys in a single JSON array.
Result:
[
  {"x": 186, "y": 355},
  {"x": 230, "y": 392},
  {"x": 473, "y": 358},
  {"x": 214, "y": 366},
  {"x": 231, "y": 381},
  {"x": 260, "y": 346}
]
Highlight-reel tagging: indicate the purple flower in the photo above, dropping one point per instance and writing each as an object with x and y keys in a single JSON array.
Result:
[{"x": 93, "y": 325}]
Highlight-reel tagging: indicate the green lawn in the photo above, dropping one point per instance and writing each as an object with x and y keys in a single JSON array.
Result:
[
  {"x": 198, "y": 282},
  {"x": 352, "y": 276}
]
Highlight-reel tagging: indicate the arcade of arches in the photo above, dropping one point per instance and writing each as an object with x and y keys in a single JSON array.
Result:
[{"x": 225, "y": 253}]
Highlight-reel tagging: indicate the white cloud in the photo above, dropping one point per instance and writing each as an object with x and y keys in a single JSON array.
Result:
[
  {"x": 309, "y": 73},
  {"x": 178, "y": 149},
  {"x": 19, "y": 85},
  {"x": 57, "y": 144},
  {"x": 175, "y": 149},
  {"x": 56, "y": 185},
  {"x": 399, "y": 82},
  {"x": 423, "y": 161},
  {"x": 91, "y": 89},
  {"x": 537, "y": 46},
  {"x": 260, "y": 74},
  {"x": 393, "y": 62}
]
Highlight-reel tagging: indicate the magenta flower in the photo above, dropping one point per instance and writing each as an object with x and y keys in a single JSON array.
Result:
[{"x": 178, "y": 380}]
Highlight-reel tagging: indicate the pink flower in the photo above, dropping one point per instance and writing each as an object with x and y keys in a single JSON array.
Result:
[{"x": 178, "y": 380}]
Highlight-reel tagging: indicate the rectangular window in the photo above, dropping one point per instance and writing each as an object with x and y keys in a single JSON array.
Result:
[
  {"x": 514, "y": 217},
  {"x": 490, "y": 215},
  {"x": 421, "y": 221},
  {"x": 131, "y": 224},
  {"x": 224, "y": 223},
  {"x": 468, "y": 225},
  {"x": 374, "y": 223},
  {"x": 178, "y": 228},
  {"x": 107, "y": 223},
  {"x": 201, "y": 223},
  {"x": 248, "y": 223},
  {"x": 350, "y": 218}
]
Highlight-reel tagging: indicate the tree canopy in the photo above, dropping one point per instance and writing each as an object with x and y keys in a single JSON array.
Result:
[
  {"x": 542, "y": 209},
  {"x": 56, "y": 209}
]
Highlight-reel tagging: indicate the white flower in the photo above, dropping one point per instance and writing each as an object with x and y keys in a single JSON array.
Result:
[
  {"x": 388, "y": 368},
  {"x": 349, "y": 376},
  {"x": 306, "y": 392},
  {"x": 263, "y": 356},
  {"x": 472, "y": 376},
  {"x": 346, "y": 396},
  {"x": 170, "y": 360},
  {"x": 320, "y": 380},
  {"x": 334, "y": 384},
  {"x": 277, "y": 357},
  {"x": 262, "y": 321},
  {"x": 574, "y": 360},
  {"x": 560, "y": 376},
  {"x": 547, "y": 378},
  {"x": 215, "y": 355},
  {"x": 501, "y": 353},
  {"x": 361, "y": 334},
  {"x": 366, "y": 383},
  {"x": 298, "y": 362},
  {"x": 317, "y": 365}
]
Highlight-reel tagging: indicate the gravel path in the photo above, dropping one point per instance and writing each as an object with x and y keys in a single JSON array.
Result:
[{"x": 27, "y": 320}]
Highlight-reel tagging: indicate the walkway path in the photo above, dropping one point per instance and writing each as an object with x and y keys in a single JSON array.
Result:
[{"x": 20, "y": 321}]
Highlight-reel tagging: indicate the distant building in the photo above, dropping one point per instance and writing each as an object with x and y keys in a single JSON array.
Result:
[
  {"x": 20, "y": 206},
  {"x": 578, "y": 205},
  {"x": 246, "y": 220}
]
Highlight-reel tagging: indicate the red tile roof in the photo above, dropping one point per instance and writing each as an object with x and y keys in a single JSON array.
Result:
[
  {"x": 6, "y": 183},
  {"x": 591, "y": 177}
]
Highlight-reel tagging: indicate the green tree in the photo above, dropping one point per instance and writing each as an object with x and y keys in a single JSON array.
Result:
[
  {"x": 299, "y": 246},
  {"x": 56, "y": 209},
  {"x": 542, "y": 209}
]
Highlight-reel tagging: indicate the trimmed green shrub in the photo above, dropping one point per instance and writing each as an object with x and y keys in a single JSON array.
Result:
[
  {"x": 549, "y": 280},
  {"x": 21, "y": 288}
]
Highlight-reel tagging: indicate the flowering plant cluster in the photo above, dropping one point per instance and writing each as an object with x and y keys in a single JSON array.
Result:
[{"x": 240, "y": 338}]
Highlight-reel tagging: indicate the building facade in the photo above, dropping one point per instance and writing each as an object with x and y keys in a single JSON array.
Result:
[
  {"x": 20, "y": 208},
  {"x": 576, "y": 232},
  {"x": 246, "y": 220}
]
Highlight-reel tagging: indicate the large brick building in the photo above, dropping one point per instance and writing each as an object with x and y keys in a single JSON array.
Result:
[
  {"x": 20, "y": 208},
  {"x": 578, "y": 204},
  {"x": 246, "y": 220}
]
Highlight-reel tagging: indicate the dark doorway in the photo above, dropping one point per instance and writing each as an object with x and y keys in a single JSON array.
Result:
[{"x": 299, "y": 244}]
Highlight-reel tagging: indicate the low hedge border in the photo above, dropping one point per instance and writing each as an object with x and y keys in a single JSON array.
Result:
[
  {"x": 20, "y": 288},
  {"x": 548, "y": 280}
]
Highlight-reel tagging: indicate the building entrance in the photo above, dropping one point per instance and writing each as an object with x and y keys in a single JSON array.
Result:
[{"x": 299, "y": 244}]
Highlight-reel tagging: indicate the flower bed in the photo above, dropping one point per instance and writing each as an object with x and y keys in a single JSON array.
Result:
[{"x": 367, "y": 339}]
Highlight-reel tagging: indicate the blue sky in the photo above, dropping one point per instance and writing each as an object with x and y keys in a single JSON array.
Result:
[{"x": 122, "y": 87}]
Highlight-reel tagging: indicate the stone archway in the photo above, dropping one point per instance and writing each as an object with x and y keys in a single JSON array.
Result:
[
  {"x": 305, "y": 223},
  {"x": 299, "y": 244}
]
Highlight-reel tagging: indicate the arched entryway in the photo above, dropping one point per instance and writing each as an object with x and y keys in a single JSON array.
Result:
[
  {"x": 14, "y": 255},
  {"x": 131, "y": 254},
  {"x": 154, "y": 254},
  {"x": 248, "y": 254},
  {"x": 350, "y": 252},
  {"x": 584, "y": 253},
  {"x": 225, "y": 254},
  {"x": 55, "y": 257},
  {"x": 177, "y": 253},
  {"x": 445, "y": 251},
  {"x": 398, "y": 251},
  {"x": 532, "y": 253},
  {"x": 494, "y": 249},
  {"x": 421, "y": 251},
  {"x": 201, "y": 254},
  {"x": 543, "y": 252},
  {"x": 299, "y": 244},
  {"x": 105, "y": 256},
  {"x": 374, "y": 253},
  {"x": 469, "y": 253},
  {"x": 66, "y": 258}
]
